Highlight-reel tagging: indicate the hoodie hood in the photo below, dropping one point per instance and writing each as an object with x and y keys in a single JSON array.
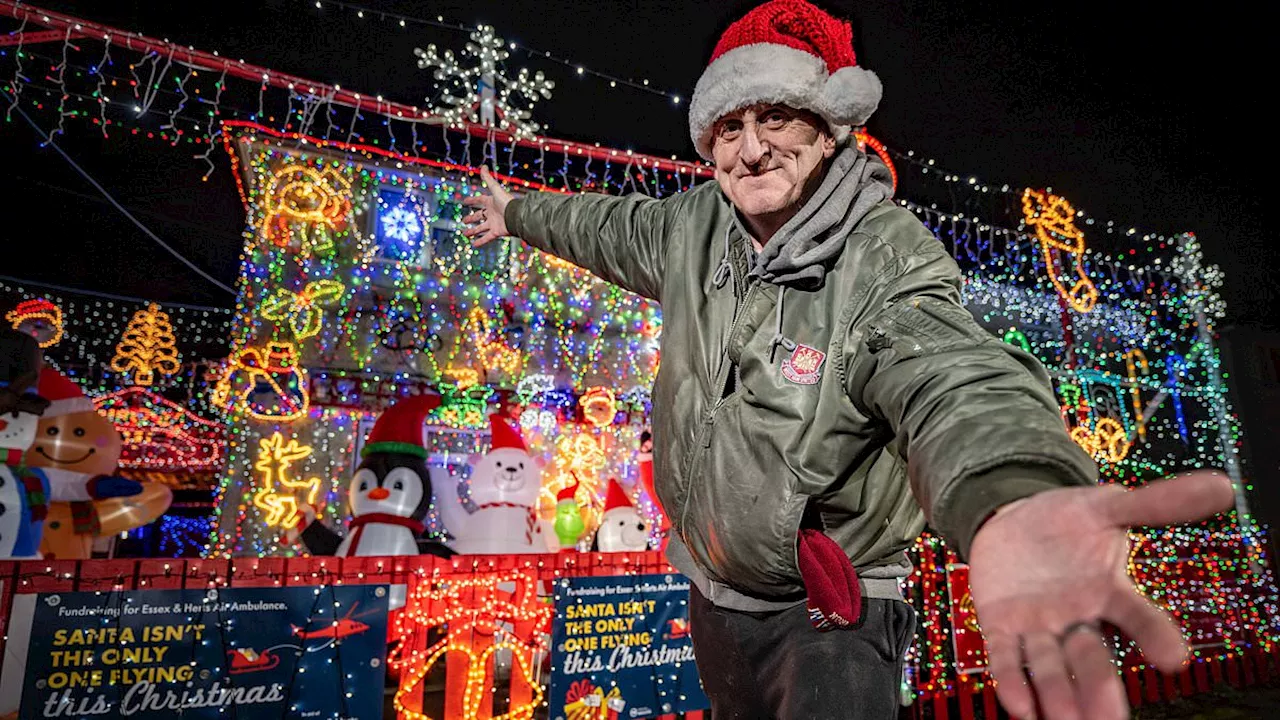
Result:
[{"x": 802, "y": 250}]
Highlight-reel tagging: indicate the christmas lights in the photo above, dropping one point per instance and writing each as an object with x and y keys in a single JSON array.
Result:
[
  {"x": 599, "y": 406},
  {"x": 479, "y": 94},
  {"x": 480, "y": 617},
  {"x": 160, "y": 434},
  {"x": 38, "y": 318},
  {"x": 301, "y": 310},
  {"x": 275, "y": 458},
  {"x": 1054, "y": 222},
  {"x": 147, "y": 347},
  {"x": 424, "y": 312},
  {"x": 264, "y": 383},
  {"x": 306, "y": 207}
]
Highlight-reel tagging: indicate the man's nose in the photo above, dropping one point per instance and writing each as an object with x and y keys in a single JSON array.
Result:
[{"x": 752, "y": 149}]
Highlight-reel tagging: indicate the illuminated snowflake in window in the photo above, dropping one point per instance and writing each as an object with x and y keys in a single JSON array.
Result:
[
  {"x": 400, "y": 223},
  {"x": 478, "y": 94}
]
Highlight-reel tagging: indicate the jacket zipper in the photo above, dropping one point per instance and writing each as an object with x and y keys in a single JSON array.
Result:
[{"x": 704, "y": 433}]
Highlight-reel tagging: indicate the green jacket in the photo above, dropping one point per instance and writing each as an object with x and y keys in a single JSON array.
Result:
[{"x": 893, "y": 400}]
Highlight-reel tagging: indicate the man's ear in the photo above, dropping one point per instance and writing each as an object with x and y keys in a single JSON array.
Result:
[{"x": 828, "y": 145}]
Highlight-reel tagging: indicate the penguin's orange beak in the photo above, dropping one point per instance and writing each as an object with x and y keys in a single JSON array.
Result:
[{"x": 379, "y": 494}]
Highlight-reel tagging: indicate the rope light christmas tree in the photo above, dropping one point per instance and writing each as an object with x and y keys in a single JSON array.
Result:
[{"x": 147, "y": 349}]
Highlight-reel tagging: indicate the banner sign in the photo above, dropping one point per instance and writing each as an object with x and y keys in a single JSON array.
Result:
[
  {"x": 300, "y": 652},
  {"x": 969, "y": 646},
  {"x": 621, "y": 649}
]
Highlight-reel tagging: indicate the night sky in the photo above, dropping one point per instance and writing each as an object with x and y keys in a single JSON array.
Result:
[{"x": 1147, "y": 120}]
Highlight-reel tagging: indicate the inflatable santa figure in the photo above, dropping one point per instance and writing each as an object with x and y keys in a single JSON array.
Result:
[
  {"x": 494, "y": 511},
  {"x": 621, "y": 527},
  {"x": 77, "y": 449},
  {"x": 390, "y": 493},
  {"x": 23, "y": 490}
]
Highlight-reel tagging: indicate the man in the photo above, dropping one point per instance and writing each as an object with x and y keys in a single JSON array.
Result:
[{"x": 821, "y": 385}]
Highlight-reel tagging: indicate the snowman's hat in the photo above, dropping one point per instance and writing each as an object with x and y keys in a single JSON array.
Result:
[
  {"x": 615, "y": 497},
  {"x": 399, "y": 428}
]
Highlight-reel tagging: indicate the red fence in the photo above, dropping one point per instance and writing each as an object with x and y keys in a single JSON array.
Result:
[{"x": 970, "y": 699}]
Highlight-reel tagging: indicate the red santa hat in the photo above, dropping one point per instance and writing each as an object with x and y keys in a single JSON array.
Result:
[
  {"x": 399, "y": 428},
  {"x": 504, "y": 436},
  {"x": 569, "y": 492},
  {"x": 64, "y": 396},
  {"x": 787, "y": 52},
  {"x": 615, "y": 497}
]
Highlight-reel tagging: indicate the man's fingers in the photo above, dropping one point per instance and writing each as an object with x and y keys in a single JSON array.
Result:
[
  {"x": 1180, "y": 499},
  {"x": 1049, "y": 677},
  {"x": 1098, "y": 688},
  {"x": 474, "y": 200},
  {"x": 1004, "y": 658},
  {"x": 1152, "y": 628},
  {"x": 490, "y": 183},
  {"x": 472, "y": 218}
]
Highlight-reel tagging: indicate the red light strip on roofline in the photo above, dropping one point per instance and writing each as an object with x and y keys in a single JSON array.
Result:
[{"x": 346, "y": 147}]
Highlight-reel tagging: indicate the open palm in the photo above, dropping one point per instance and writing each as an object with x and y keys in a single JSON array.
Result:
[{"x": 1046, "y": 570}]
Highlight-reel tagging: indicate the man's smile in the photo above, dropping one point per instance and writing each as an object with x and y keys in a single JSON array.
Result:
[{"x": 40, "y": 449}]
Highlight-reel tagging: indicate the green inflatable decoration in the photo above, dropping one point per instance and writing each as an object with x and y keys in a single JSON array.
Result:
[{"x": 568, "y": 525}]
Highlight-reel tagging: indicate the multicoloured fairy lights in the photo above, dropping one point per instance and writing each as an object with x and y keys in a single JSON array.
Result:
[
  {"x": 1127, "y": 338},
  {"x": 484, "y": 615},
  {"x": 507, "y": 327}
]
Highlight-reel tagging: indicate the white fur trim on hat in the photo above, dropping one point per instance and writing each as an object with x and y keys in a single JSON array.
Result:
[
  {"x": 851, "y": 95},
  {"x": 773, "y": 73},
  {"x": 69, "y": 406}
]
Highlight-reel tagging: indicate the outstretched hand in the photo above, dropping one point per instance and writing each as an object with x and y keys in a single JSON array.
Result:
[
  {"x": 487, "y": 221},
  {"x": 1046, "y": 570}
]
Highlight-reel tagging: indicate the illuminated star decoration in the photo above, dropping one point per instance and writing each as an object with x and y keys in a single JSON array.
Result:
[
  {"x": 302, "y": 309},
  {"x": 479, "y": 94}
]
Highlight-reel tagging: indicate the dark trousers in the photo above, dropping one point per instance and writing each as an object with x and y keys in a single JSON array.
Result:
[{"x": 776, "y": 666}]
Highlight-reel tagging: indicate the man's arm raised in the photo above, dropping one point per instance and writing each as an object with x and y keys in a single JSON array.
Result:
[{"x": 620, "y": 239}]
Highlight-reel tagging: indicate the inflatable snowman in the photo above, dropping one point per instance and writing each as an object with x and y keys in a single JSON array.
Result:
[
  {"x": 621, "y": 527},
  {"x": 23, "y": 491},
  {"x": 494, "y": 510}
]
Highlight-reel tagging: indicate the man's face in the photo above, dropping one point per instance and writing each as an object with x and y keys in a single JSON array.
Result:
[{"x": 767, "y": 156}]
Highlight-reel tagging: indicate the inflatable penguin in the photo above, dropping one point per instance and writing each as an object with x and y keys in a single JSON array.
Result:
[
  {"x": 621, "y": 527},
  {"x": 389, "y": 494},
  {"x": 23, "y": 491}
]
